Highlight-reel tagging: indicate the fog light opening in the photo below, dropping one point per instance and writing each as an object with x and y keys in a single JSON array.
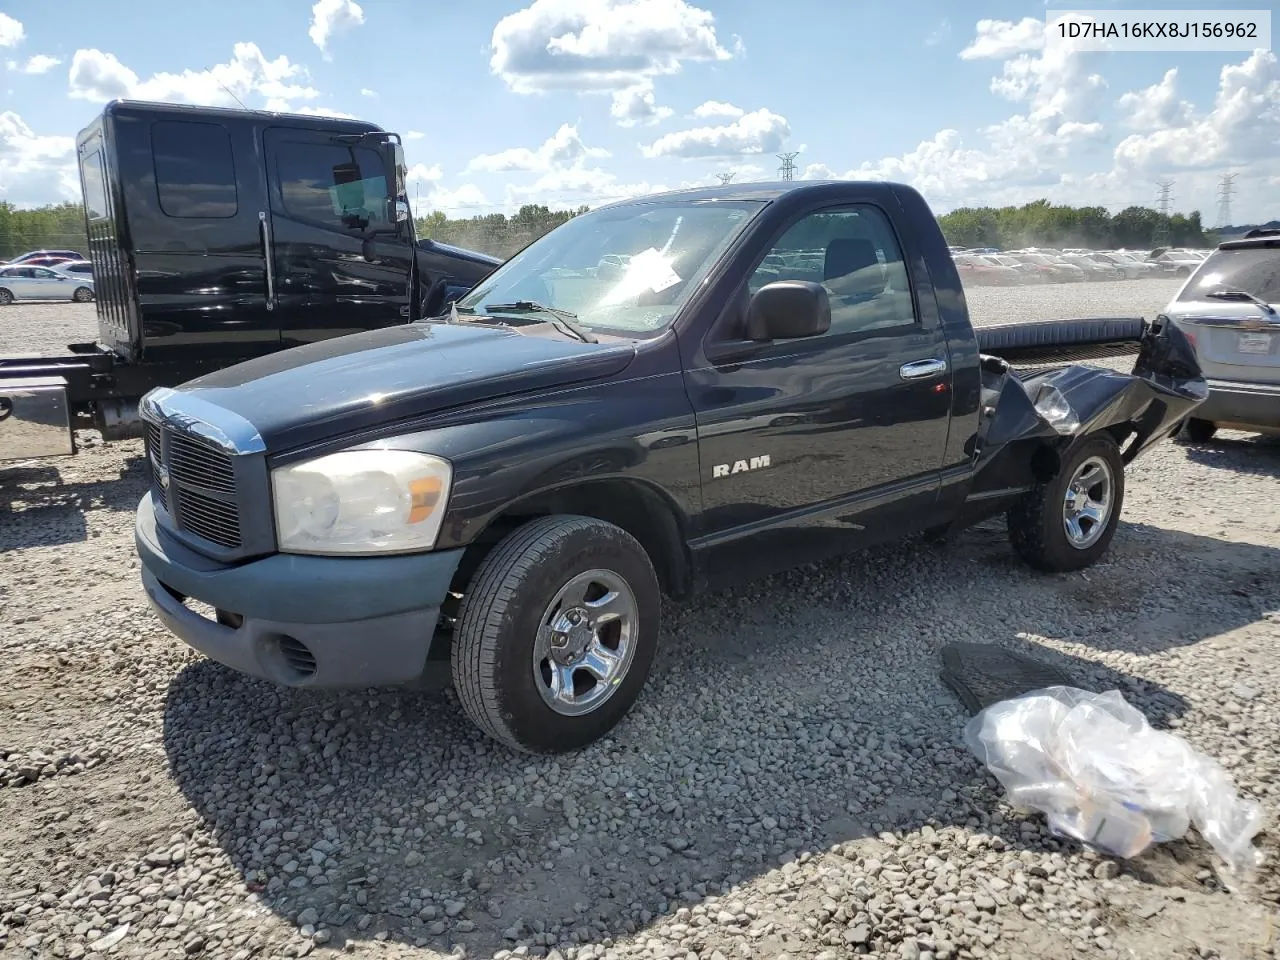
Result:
[{"x": 298, "y": 659}]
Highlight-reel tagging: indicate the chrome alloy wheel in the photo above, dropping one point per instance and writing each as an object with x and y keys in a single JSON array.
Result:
[
  {"x": 586, "y": 641},
  {"x": 1087, "y": 503}
]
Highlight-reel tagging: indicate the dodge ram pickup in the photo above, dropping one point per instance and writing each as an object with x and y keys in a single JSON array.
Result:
[{"x": 658, "y": 397}]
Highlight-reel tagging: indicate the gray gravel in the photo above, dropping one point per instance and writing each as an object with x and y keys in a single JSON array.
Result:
[{"x": 792, "y": 783}]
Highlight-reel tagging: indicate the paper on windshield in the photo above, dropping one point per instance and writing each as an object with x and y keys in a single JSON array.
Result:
[{"x": 647, "y": 271}]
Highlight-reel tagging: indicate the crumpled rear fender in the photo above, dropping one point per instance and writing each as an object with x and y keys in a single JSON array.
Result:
[{"x": 1030, "y": 423}]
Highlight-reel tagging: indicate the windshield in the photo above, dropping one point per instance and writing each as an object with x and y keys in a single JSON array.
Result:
[
  {"x": 626, "y": 269},
  {"x": 1255, "y": 271}
]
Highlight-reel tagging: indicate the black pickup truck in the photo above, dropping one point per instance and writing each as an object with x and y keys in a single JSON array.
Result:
[
  {"x": 217, "y": 236},
  {"x": 658, "y": 397}
]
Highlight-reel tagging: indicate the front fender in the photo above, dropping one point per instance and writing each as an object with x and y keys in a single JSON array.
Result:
[{"x": 1031, "y": 422}]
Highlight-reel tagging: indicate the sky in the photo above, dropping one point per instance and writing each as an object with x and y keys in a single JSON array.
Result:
[{"x": 571, "y": 102}]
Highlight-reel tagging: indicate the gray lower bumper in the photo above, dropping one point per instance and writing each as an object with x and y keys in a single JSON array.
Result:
[
  {"x": 1246, "y": 404},
  {"x": 300, "y": 621}
]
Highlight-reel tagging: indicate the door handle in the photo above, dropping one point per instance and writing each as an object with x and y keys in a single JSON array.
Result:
[
  {"x": 921, "y": 368},
  {"x": 268, "y": 253}
]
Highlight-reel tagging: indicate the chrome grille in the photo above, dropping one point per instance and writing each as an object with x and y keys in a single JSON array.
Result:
[
  {"x": 154, "y": 461},
  {"x": 202, "y": 465},
  {"x": 196, "y": 484}
]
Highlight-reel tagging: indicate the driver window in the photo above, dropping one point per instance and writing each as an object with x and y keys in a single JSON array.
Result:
[
  {"x": 340, "y": 187},
  {"x": 853, "y": 252}
]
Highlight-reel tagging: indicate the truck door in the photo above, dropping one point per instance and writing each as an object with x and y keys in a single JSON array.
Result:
[
  {"x": 339, "y": 263},
  {"x": 838, "y": 437}
]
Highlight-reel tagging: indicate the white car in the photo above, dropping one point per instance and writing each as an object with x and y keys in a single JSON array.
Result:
[
  {"x": 41, "y": 283},
  {"x": 76, "y": 269},
  {"x": 1229, "y": 308}
]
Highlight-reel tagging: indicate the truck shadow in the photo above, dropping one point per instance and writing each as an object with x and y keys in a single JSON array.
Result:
[
  {"x": 39, "y": 507},
  {"x": 820, "y": 724},
  {"x": 1239, "y": 453}
]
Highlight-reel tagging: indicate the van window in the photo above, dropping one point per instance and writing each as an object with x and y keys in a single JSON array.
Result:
[
  {"x": 195, "y": 174},
  {"x": 335, "y": 186},
  {"x": 95, "y": 186}
]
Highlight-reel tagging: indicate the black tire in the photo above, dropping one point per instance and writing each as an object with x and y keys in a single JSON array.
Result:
[
  {"x": 6, "y": 296},
  {"x": 498, "y": 624},
  {"x": 1037, "y": 520},
  {"x": 1199, "y": 431},
  {"x": 82, "y": 295}
]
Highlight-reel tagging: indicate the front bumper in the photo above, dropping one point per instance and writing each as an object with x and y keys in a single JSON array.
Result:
[
  {"x": 1244, "y": 405},
  {"x": 300, "y": 621}
]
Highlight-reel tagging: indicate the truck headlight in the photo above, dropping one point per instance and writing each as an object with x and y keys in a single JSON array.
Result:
[{"x": 361, "y": 502}]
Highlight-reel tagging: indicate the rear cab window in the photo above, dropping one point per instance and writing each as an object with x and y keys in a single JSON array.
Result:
[{"x": 195, "y": 171}]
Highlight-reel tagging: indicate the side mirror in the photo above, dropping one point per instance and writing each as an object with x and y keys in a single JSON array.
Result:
[
  {"x": 788, "y": 309},
  {"x": 398, "y": 166}
]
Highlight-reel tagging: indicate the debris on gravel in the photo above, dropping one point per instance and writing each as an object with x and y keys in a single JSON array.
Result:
[{"x": 791, "y": 784}]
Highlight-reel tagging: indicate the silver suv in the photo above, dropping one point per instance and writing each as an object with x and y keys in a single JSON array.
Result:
[{"x": 1230, "y": 310}]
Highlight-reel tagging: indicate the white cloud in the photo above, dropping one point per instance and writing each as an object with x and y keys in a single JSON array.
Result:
[
  {"x": 99, "y": 76},
  {"x": 1156, "y": 107},
  {"x": 35, "y": 168},
  {"x": 819, "y": 171},
  {"x": 40, "y": 63},
  {"x": 574, "y": 186},
  {"x": 636, "y": 106},
  {"x": 1242, "y": 128},
  {"x": 600, "y": 44},
  {"x": 998, "y": 39},
  {"x": 761, "y": 131},
  {"x": 562, "y": 149},
  {"x": 461, "y": 202},
  {"x": 366, "y": 92},
  {"x": 420, "y": 171},
  {"x": 11, "y": 31},
  {"x": 323, "y": 112},
  {"x": 330, "y": 18},
  {"x": 717, "y": 108},
  {"x": 414, "y": 135}
]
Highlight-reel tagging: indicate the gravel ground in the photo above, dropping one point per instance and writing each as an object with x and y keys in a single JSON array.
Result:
[{"x": 792, "y": 783}]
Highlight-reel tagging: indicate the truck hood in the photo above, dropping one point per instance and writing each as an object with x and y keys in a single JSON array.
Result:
[{"x": 346, "y": 384}]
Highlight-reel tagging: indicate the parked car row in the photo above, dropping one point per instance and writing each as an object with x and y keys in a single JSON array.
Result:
[
  {"x": 47, "y": 275},
  {"x": 1046, "y": 265}
]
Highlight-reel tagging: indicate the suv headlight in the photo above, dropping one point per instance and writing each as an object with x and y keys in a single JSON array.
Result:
[{"x": 361, "y": 502}]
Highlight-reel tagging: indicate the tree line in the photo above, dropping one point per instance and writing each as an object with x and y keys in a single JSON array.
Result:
[
  {"x": 48, "y": 227},
  {"x": 1043, "y": 224},
  {"x": 1039, "y": 224}
]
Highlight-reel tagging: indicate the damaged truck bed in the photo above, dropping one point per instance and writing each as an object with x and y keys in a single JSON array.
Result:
[{"x": 658, "y": 397}]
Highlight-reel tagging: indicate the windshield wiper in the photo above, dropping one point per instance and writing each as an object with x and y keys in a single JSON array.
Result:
[
  {"x": 1230, "y": 293},
  {"x": 562, "y": 320}
]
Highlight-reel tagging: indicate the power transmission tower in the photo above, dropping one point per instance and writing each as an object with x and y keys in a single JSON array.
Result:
[
  {"x": 1225, "y": 189},
  {"x": 725, "y": 177},
  {"x": 788, "y": 169},
  {"x": 1160, "y": 237}
]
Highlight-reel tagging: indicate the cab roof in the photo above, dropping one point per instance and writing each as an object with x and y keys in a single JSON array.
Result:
[{"x": 765, "y": 191}]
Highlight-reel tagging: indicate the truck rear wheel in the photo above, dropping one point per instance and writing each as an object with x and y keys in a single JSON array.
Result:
[
  {"x": 1067, "y": 523},
  {"x": 556, "y": 634}
]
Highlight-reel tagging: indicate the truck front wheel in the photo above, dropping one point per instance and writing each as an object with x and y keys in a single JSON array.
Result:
[
  {"x": 556, "y": 634},
  {"x": 1067, "y": 523}
]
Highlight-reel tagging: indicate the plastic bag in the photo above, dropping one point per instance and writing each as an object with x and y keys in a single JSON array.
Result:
[{"x": 1101, "y": 774}]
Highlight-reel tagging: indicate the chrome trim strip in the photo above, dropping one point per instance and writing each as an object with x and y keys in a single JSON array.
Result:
[{"x": 192, "y": 415}]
